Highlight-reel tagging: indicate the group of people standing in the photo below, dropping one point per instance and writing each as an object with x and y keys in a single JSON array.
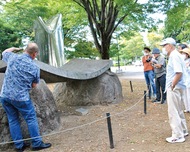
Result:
[
  {"x": 172, "y": 77},
  {"x": 155, "y": 68}
]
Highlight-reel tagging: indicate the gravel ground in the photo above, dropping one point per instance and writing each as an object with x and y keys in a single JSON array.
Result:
[{"x": 133, "y": 131}]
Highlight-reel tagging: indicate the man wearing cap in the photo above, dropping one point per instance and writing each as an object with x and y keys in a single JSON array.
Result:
[
  {"x": 186, "y": 56},
  {"x": 175, "y": 87},
  {"x": 159, "y": 64}
]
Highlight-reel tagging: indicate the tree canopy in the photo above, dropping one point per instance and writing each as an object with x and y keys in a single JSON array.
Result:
[
  {"x": 132, "y": 48},
  {"x": 178, "y": 22},
  {"x": 9, "y": 36},
  {"x": 104, "y": 18}
]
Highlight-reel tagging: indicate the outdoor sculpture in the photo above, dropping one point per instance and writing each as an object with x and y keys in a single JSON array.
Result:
[
  {"x": 49, "y": 37},
  {"x": 87, "y": 80}
]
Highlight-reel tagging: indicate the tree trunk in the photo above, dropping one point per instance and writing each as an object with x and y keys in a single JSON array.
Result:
[
  {"x": 102, "y": 16},
  {"x": 105, "y": 45}
]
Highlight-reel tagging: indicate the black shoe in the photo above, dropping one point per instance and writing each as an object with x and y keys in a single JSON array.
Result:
[
  {"x": 19, "y": 150},
  {"x": 42, "y": 146},
  {"x": 23, "y": 147},
  {"x": 163, "y": 102},
  {"x": 156, "y": 101}
]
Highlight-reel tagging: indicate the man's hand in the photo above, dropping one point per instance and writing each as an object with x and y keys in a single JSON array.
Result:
[
  {"x": 34, "y": 85},
  {"x": 157, "y": 66},
  {"x": 172, "y": 87},
  {"x": 176, "y": 79}
]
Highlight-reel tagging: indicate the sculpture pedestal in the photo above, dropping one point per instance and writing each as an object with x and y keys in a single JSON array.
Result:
[{"x": 104, "y": 89}]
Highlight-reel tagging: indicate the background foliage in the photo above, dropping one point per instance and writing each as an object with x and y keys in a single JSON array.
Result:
[{"x": 17, "y": 18}]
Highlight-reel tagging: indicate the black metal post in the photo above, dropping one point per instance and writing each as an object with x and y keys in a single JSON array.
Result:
[
  {"x": 110, "y": 130},
  {"x": 144, "y": 102},
  {"x": 131, "y": 86}
]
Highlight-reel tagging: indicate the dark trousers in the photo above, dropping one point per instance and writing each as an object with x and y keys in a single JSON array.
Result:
[{"x": 160, "y": 87}]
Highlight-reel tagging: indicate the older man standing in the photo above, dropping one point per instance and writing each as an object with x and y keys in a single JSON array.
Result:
[{"x": 175, "y": 87}]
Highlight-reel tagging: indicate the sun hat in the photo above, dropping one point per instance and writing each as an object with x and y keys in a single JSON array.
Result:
[{"x": 186, "y": 50}]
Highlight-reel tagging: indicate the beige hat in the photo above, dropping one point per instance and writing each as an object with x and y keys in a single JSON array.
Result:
[{"x": 186, "y": 50}]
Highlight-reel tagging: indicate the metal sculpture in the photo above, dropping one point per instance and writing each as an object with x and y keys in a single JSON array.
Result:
[{"x": 49, "y": 37}]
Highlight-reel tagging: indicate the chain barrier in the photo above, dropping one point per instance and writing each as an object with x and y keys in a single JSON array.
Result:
[{"x": 80, "y": 126}]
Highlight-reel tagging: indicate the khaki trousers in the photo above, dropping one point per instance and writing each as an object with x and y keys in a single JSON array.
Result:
[
  {"x": 187, "y": 99},
  {"x": 175, "y": 100}
]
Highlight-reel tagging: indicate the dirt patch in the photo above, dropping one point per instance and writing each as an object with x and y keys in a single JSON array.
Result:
[{"x": 132, "y": 129}]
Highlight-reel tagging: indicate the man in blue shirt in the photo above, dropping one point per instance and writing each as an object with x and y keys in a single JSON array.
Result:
[
  {"x": 175, "y": 87},
  {"x": 21, "y": 75}
]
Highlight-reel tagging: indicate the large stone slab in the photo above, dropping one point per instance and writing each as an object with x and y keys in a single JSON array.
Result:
[{"x": 76, "y": 69}]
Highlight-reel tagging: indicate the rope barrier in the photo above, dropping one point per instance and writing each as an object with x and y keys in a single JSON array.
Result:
[{"x": 80, "y": 126}]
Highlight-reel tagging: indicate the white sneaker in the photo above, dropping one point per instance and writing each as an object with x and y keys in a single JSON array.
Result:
[
  {"x": 186, "y": 134},
  {"x": 175, "y": 140},
  {"x": 186, "y": 111}
]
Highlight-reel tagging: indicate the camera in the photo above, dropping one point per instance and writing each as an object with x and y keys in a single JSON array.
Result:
[{"x": 149, "y": 59}]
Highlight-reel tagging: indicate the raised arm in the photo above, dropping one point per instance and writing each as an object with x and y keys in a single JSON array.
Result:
[{"x": 11, "y": 49}]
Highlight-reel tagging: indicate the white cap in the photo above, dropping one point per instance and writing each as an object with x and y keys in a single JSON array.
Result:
[{"x": 168, "y": 41}]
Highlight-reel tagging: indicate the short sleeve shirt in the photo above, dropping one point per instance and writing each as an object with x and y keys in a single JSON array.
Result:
[
  {"x": 175, "y": 64},
  {"x": 160, "y": 71},
  {"x": 21, "y": 72}
]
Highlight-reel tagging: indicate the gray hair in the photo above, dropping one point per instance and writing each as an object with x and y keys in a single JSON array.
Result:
[{"x": 32, "y": 48}]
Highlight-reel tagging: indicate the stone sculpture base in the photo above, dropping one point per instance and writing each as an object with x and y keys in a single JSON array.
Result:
[{"x": 104, "y": 89}]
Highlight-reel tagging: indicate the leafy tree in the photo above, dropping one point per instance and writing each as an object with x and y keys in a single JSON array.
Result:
[
  {"x": 21, "y": 14},
  {"x": 104, "y": 16},
  {"x": 178, "y": 18},
  {"x": 8, "y": 36},
  {"x": 18, "y": 18},
  {"x": 132, "y": 48},
  {"x": 178, "y": 22},
  {"x": 83, "y": 49},
  {"x": 154, "y": 39}
]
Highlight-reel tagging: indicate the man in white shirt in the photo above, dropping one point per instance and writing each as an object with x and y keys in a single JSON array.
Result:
[{"x": 175, "y": 87}]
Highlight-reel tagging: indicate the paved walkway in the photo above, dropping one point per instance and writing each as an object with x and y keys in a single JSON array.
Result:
[{"x": 129, "y": 72}]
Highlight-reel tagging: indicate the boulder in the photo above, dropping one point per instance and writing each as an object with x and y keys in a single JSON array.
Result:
[
  {"x": 4, "y": 129},
  {"x": 47, "y": 114},
  {"x": 104, "y": 89}
]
